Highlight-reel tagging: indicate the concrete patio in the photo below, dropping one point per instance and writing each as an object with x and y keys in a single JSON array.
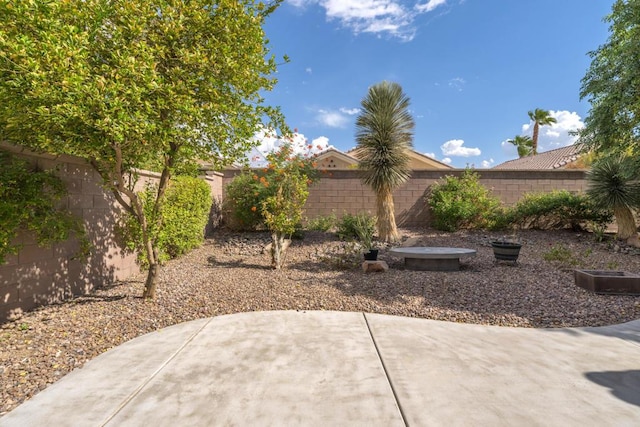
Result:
[{"x": 339, "y": 368}]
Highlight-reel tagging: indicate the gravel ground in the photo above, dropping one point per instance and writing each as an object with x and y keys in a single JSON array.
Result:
[{"x": 230, "y": 274}]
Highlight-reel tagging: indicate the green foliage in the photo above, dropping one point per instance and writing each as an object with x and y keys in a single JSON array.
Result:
[
  {"x": 539, "y": 117},
  {"x": 360, "y": 226},
  {"x": 560, "y": 254},
  {"x": 556, "y": 210},
  {"x": 524, "y": 145},
  {"x": 463, "y": 202},
  {"x": 614, "y": 182},
  {"x": 247, "y": 194},
  {"x": 183, "y": 218},
  {"x": 612, "y": 83},
  {"x": 322, "y": 223},
  {"x": 384, "y": 133},
  {"x": 29, "y": 201},
  {"x": 128, "y": 83}
]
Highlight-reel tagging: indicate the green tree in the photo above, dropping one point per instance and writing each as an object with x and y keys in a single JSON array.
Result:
[
  {"x": 612, "y": 85},
  {"x": 540, "y": 118},
  {"x": 384, "y": 133},
  {"x": 124, "y": 83},
  {"x": 614, "y": 184},
  {"x": 524, "y": 144}
]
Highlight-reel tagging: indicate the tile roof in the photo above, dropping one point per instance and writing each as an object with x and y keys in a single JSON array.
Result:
[{"x": 552, "y": 159}]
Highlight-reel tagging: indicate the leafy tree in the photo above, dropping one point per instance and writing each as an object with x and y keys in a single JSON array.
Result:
[
  {"x": 125, "y": 83},
  {"x": 384, "y": 133},
  {"x": 612, "y": 85},
  {"x": 540, "y": 118},
  {"x": 614, "y": 184},
  {"x": 524, "y": 144}
]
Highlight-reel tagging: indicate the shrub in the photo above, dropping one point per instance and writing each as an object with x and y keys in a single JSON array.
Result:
[
  {"x": 557, "y": 210},
  {"x": 463, "y": 202},
  {"x": 185, "y": 213},
  {"x": 356, "y": 226},
  {"x": 322, "y": 223},
  {"x": 28, "y": 201},
  {"x": 242, "y": 203}
]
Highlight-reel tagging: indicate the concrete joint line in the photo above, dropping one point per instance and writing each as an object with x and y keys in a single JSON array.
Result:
[
  {"x": 152, "y": 376},
  {"x": 386, "y": 373}
]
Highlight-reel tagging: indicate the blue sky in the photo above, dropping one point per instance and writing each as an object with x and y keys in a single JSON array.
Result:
[{"x": 472, "y": 68}]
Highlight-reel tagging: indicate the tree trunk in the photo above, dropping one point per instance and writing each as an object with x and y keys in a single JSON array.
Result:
[
  {"x": 278, "y": 248},
  {"x": 151, "y": 282},
  {"x": 387, "y": 230},
  {"x": 536, "y": 129},
  {"x": 626, "y": 222}
]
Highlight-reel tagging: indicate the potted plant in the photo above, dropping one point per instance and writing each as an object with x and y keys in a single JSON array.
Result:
[{"x": 506, "y": 249}]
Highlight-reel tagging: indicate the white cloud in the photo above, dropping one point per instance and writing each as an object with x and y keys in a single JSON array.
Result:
[
  {"x": 446, "y": 160},
  {"x": 457, "y": 83},
  {"x": 268, "y": 142},
  {"x": 455, "y": 147},
  {"x": 486, "y": 164},
  {"x": 432, "y": 155},
  {"x": 556, "y": 135},
  {"x": 333, "y": 119},
  {"x": 429, "y": 5},
  {"x": 350, "y": 111},
  {"x": 308, "y": 70},
  {"x": 393, "y": 17}
]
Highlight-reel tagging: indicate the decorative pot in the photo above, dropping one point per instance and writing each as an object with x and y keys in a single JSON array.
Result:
[
  {"x": 372, "y": 255},
  {"x": 506, "y": 251}
]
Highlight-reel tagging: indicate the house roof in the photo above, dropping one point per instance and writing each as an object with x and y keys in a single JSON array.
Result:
[
  {"x": 418, "y": 160},
  {"x": 552, "y": 159},
  {"x": 333, "y": 152}
]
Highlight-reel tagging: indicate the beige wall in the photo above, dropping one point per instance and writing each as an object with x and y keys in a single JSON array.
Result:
[
  {"x": 38, "y": 276},
  {"x": 343, "y": 192}
]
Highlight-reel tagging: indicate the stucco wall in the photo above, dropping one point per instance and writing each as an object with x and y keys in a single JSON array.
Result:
[
  {"x": 342, "y": 191},
  {"x": 38, "y": 276}
]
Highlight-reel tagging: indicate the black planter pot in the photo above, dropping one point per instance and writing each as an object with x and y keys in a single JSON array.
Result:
[
  {"x": 506, "y": 251},
  {"x": 372, "y": 255}
]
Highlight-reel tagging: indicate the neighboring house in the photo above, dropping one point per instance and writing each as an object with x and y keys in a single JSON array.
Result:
[
  {"x": 560, "y": 158},
  {"x": 336, "y": 160},
  {"x": 417, "y": 161}
]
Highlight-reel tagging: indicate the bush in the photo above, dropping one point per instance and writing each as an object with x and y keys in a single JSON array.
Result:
[
  {"x": 463, "y": 202},
  {"x": 243, "y": 203},
  {"x": 356, "y": 226},
  {"x": 28, "y": 201},
  {"x": 557, "y": 210},
  {"x": 185, "y": 213},
  {"x": 322, "y": 223}
]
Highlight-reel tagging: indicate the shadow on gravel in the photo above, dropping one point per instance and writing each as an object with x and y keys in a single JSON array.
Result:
[{"x": 235, "y": 264}]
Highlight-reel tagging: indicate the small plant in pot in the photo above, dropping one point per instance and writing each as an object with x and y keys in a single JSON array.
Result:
[{"x": 364, "y": 227}]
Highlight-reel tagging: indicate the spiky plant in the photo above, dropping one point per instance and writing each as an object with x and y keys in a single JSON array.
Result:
[
  {"x": 524, "y": 144},
  {"x": 614, "y": 184},
  {"x": 384, "y": 134},
  {"x": 540, "y": 118}
]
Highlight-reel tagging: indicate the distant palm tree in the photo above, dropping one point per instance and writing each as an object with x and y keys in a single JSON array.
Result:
[
  {"x": 524, "y": 144},
  {"x": 384, "y": 133},
  {"x": 614, "y": 184},
  {"x": 540, "y": 118}
]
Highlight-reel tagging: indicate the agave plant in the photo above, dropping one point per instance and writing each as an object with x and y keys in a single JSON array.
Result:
[{"x": 614, "y": 184}]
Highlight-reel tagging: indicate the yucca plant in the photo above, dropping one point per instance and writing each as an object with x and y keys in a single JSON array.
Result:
[
  {"x": 614, "y": 184},
  {"x": 384, "y": 133}
]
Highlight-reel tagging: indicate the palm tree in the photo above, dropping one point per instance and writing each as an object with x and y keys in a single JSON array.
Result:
[
  {"x": 540, "y": 118},
  {"x": 614, "y": 184},
  {"x": 384, "y": 133},
  {"x": 524, "y": 144}
]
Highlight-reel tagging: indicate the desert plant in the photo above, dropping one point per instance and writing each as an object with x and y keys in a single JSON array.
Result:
[
  {"x": 322, "y": 222},
  {"x": 540, "y": 118},
  {"x": 557, "y": 210},
  {"x": 384, "y": 132},
  {"x": 356, "y": 226},
  {"x": 462, "y": 202}
]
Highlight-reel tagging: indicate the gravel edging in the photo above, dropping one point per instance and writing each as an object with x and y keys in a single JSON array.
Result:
[{"x": 230, "y": 274}]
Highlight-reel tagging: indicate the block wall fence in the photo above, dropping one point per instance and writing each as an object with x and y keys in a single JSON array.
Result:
[
  {"x": 44, "y": 275},
  {"x": 343, "y": 192}
]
